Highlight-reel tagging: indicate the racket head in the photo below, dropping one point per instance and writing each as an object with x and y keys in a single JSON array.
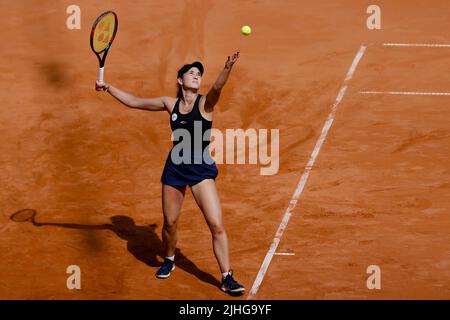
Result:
[
  {"x": 103, "y": 32},
  {"x": 24, "y": 215}
]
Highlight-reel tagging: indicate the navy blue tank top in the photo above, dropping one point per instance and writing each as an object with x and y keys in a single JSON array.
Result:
[{"x": 191, "y": 130}]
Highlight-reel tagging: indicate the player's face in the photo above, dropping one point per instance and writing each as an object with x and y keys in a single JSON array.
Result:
[{"x": 192, "y": 79}]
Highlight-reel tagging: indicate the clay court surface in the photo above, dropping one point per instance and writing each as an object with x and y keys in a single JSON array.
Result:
[{"x": 378, "y": 193}]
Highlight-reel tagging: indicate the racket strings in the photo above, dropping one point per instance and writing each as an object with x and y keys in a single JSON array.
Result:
[{"x": 103, "y": 32}]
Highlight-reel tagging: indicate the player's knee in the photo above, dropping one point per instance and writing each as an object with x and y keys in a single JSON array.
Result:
[
  {"x": 217, "y": 229},
  {"x": 170, "y": 225}
]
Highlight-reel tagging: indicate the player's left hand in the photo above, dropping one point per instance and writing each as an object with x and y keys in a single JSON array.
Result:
[{"x": 231, "y": 60}]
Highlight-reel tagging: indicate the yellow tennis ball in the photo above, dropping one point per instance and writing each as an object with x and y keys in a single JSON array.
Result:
[{"x": 246, "y": 30}]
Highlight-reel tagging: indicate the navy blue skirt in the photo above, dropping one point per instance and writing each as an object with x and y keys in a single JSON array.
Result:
[{"x": 187, "y": 174}]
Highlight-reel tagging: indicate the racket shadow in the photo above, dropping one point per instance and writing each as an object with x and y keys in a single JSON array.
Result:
[{"x": 142, "y": 241}]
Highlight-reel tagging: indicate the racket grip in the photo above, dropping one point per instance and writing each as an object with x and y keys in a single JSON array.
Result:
[{"x": 100, "y": 74}]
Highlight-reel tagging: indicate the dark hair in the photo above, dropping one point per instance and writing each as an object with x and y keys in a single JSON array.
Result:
[
  {"x": 180, "y": 92},
  {"x": 185, "y": 69}
]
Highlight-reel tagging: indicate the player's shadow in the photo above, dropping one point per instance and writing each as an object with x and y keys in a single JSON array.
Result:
[{"x": 142, "y": 241}]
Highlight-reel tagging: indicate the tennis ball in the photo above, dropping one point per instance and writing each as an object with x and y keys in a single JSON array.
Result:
[{"x": 246, "y": 30}]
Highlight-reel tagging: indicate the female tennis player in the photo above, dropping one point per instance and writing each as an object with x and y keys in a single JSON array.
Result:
[{"x": 192, "y": 166}]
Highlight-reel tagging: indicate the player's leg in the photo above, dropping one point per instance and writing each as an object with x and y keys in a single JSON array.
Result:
[
  {"x": 172, "y": 200},
  {"x": 207, "y": 198}
]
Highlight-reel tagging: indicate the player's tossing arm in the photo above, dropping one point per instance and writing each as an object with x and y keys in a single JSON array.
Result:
[
  {"x": 214, "y": 93},
  {"x": 131, "y": 101}
]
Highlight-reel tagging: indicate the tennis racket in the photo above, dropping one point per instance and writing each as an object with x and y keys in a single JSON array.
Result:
[{"x": 102, "y": 35}]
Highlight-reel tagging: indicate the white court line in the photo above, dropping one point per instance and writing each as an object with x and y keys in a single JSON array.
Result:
[
  {"x": 284, "y": 254},
  {"x": 304, "y": 177},
  {"x": 425, "y": 45},
  {"x": 407, "y": 93}
]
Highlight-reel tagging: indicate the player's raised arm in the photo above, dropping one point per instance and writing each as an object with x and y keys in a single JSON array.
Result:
[
  {"x": 214, "y": 93},
  {"x": 151, "y": 104}
]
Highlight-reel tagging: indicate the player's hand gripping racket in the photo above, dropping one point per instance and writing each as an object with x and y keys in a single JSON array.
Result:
[{"x": 102, "y": 35}]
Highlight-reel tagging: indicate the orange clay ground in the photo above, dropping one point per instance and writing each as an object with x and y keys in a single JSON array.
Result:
[{"x": 378, "y": 193}]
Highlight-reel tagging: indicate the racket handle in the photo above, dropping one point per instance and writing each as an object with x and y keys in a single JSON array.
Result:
[{"x": 100, "y": 74}]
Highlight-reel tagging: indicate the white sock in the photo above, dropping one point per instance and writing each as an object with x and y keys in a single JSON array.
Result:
[
  {"x": 224, "y": 274},
  {"x": 171, "y": 258}
]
